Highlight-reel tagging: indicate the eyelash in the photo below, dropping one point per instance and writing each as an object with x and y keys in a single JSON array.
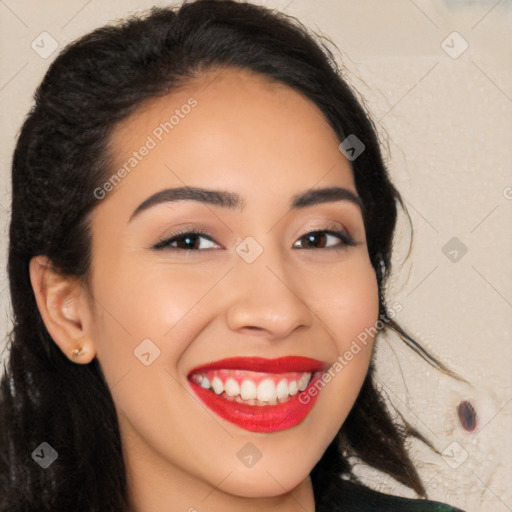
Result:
[{"x": 346, "y": 240}]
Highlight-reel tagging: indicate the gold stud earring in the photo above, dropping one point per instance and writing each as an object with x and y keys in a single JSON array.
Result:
[{"x": 78, "y": 352}]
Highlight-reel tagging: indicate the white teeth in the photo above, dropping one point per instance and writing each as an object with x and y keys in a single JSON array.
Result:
[
  {"x": 248, "y": 390},
  {"x": 232, "y": 387},
  {"x": 304, "y": 381},
  {"x": 282, "y": 389},
  {"x": 217, "y": 385},
  {"x": 266, "y": 391}
]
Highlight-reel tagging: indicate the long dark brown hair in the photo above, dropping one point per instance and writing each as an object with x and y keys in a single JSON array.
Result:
[{"x": 62, "y": 156}]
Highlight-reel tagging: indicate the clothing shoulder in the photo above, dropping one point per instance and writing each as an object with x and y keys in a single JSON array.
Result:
[{"x": 347, "y": 496}]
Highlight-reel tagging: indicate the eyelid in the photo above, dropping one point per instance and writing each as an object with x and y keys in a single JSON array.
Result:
[
  {"x": 333, "y": 229},
  {"x": 165, "y": 241}
]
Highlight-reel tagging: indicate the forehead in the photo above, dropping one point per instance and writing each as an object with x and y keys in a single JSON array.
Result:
[
  {"x": 229, "y": 127},
  {"x": 223, "y": 98}
]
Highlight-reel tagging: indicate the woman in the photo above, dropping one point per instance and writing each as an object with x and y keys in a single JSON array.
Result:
[{"x": 200, "y": 236}]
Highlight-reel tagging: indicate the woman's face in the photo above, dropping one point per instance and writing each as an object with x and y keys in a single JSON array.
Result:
[{"x": 258, "y": 284}]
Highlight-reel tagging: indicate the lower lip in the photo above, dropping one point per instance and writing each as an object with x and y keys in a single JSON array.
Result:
[{"x": 259, "y": 418}]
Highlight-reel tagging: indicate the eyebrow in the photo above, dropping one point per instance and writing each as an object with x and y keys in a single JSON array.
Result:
[{"x": 234, "y": 201}]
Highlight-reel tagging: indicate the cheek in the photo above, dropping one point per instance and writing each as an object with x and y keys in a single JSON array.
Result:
[
  {"x": 146, "y": 318},
  {"x": 349, "y": 304},
  {"x": 139, "y": 303},
  {"x": 349, "y": 309}
]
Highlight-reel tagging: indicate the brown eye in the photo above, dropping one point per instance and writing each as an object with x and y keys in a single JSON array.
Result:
[
  {"x": 185, "y": 241},
  {"x": 322, "y": 237}
]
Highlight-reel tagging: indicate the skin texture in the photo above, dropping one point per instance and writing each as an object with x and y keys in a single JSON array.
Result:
[{"x": 268, "y": 143}]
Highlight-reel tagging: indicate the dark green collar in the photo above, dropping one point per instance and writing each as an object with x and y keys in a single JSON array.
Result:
[{"x": 348, "y": 496}]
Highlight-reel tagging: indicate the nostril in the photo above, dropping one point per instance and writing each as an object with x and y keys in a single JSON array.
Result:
[{"x": 467, "y": 416}]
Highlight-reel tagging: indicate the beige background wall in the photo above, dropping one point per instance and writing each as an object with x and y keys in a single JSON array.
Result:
[{"x": 445, "y": 113}]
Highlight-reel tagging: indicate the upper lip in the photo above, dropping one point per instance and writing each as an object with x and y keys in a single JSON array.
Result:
[{"x": 261, "y": 364}]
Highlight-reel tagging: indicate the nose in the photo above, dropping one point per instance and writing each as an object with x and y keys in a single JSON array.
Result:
[{"x": 267, "y": 299}]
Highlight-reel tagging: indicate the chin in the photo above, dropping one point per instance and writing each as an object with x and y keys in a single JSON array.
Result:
[{"x": 268, "y": 480}]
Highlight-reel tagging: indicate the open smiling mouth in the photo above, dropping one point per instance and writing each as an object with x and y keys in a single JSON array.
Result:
[{"x": 258, "y": 394}]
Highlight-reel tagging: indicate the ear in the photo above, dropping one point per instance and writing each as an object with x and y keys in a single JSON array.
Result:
[{"x": 64, "y": 308}]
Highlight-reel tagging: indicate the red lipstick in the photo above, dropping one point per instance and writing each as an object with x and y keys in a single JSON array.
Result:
[
  {"x": 261, "y": 364},
  {"x": 291, "y": 410}
]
